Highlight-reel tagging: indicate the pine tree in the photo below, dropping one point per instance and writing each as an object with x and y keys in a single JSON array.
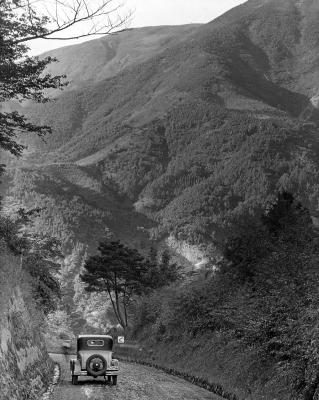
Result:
[{"x": 118, "y": 270}]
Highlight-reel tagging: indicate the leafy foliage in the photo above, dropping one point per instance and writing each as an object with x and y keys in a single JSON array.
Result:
[
  {"x": 160, "y": 271},
  {"x": 263, "y": 295},
  {"x": 59, "y": 325},
  {"x": 42, "y": 261},
  {"x": 22, "y": 77},
  {"x": 40, "y": 256}
]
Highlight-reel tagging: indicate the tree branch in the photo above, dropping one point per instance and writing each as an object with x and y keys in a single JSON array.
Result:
[{"x": 104, "y": 19}]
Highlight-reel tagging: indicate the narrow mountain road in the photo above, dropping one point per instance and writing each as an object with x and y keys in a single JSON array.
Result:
[{"x": 136, "y": 382}]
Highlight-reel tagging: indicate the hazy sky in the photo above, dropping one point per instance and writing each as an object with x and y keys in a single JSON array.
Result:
[{"x": 158, "y": 12}]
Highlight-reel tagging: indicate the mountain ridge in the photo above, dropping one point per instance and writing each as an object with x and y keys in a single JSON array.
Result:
[
  {"x": 186, "y": 110},
  {"x": 110, "y": 55}
]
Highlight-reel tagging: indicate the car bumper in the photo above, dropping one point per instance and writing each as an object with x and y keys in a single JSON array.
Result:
[{"x": 109, "y": 372}]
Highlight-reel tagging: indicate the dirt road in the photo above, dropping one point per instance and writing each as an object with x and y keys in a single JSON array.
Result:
[{"x": 136, "y": 382}]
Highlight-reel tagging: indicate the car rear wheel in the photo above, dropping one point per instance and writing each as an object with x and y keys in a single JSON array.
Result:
[
  {"x": 74, "y": 379},
  {"x": 114, "y": 378}
]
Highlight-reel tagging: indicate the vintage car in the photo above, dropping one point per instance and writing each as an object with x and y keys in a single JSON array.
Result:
[{"x": 94, "y": 358}]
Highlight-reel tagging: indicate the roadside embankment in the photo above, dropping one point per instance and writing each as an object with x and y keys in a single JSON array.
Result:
[
  {"x": 191, "y": 369},
  {"x": 211, "y": 362},
  {"x": 25, "y": 367}
]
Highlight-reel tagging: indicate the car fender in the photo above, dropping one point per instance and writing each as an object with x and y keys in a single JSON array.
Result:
[{"x": 75, "y": 366}]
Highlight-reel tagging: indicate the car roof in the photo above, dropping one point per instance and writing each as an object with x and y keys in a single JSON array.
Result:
[{"x": 95, "y": 336}]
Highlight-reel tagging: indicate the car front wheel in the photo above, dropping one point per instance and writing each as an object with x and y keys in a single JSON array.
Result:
[
  {"x": 114, "y": 380},
  {"x": 74, "y": 379}
]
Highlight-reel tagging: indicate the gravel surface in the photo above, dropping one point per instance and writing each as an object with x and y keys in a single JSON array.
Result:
[{"x": 135, "y": 382}]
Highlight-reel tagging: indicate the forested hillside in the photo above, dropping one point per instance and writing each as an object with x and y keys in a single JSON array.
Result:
[
  {"x": 177, "y": 132},
  {"x": 197, "y": 125},
  {"x": 250, "y": 326}
]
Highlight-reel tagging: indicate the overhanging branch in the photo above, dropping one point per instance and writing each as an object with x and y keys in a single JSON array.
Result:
[{"x": 94, "y": 17}]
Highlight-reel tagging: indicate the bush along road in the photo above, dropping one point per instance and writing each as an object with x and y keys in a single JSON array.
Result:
[{"x": 135, "y": 382}]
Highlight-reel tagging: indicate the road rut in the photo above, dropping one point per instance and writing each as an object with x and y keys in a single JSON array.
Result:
[{"x": 136, "y": 382}]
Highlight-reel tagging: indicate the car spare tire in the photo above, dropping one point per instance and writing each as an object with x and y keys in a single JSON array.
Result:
[{"x": 96, "y": 365}]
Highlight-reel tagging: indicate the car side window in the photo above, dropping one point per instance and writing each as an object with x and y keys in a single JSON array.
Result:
[{"x": 95, "y": 342}]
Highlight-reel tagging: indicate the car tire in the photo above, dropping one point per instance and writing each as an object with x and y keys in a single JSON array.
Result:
[
  {"x": 74, "y": 379},
  {"x": 114, "y": 380},
  {"x": 91, "y": 371},
  {"x": 72, "y": 366},
  {"x": 109, "y": 378}
]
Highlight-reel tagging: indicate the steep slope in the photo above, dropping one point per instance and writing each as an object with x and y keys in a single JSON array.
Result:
[
  {"x": 198, "y": 126},
  {"x": 25, "y": 367}
]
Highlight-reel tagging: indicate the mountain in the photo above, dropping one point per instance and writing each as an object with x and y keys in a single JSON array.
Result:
[
  {"x": 177, "y": 137},
  {"x": 185, "y": 131}
]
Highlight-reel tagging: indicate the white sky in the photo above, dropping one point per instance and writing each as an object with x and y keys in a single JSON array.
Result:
[{"x": 157, "y": 12}]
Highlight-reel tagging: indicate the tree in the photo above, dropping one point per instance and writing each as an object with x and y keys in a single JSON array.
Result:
[
  {"x": 160, "y": 271},
  {"x": 118, "y": 270},
  {"x": 22, "y": 77},
  {"x": 59, "y": 325},
  {"x": 40, "y": 256},
  {"x": 152, "y": 255},
  {"x": 273, "y": 276},
  {"x": 168, "y": 272},
  {"x": 123, "y": 273},
  {"x": 13, "y": 230},
  {"x": 41, "y": 259}
]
